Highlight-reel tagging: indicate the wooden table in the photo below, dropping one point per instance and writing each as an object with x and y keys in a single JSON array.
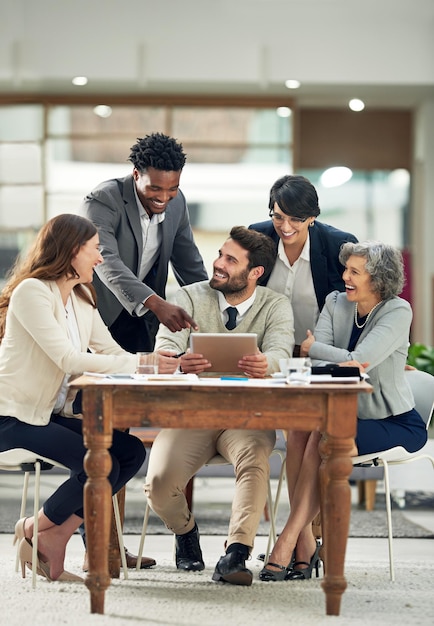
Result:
[{"x": 211, "y": 403}]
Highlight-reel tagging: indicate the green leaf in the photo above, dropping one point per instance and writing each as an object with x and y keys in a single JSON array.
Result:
[{"x": 421, "y": 357}]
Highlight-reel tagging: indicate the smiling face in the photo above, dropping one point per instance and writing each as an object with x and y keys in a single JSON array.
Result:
[
  {"x": 292, "y": 231},
  {"x": 358, "y": 284},
  {"x": 156, "y": 188},
  {"x": 86, "y": 259},
  {"x": 231, "y": 275}
]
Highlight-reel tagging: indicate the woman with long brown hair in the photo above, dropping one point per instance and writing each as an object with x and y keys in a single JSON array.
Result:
[{"x": 50, "y": 330}]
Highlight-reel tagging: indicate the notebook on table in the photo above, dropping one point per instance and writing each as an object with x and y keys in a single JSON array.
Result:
[{"x": 224, "y": 350}]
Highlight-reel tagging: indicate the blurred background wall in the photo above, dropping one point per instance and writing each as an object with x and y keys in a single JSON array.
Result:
[{"x": 220, "y": 77}]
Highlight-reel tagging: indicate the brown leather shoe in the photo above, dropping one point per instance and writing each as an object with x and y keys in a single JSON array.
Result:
[{"x": 131, "y": 561}]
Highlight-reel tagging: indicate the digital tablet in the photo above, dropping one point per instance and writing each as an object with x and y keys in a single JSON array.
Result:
[{"x": 223, "y": 350}]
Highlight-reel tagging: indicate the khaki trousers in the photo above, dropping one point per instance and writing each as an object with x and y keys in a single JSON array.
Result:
[{"x": 178, "y": 454}]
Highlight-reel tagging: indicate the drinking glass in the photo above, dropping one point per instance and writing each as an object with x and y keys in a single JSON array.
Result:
[
  {"x": 289, "y": 365},
  {"x": 147, "y": 363},
  {"x": 299, "y": 371}
]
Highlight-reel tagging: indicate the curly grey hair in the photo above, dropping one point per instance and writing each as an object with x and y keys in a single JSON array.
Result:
[{"x": 383, "y": 262}]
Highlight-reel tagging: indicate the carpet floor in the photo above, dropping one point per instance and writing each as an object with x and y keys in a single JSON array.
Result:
[
  {"x": 213, "y": 519},
  {"x": 212, "y": 509},
  {"x": 163, "y": 596}
]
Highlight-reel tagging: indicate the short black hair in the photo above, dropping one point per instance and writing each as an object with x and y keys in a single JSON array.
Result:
[
  {"x": 261, "y": 248},
  {"x": 158, "y": 151},
  {"x": 295, "y": 196}
]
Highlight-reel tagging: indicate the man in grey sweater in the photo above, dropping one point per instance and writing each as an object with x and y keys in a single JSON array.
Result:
[{"x": 178, "y": 454}]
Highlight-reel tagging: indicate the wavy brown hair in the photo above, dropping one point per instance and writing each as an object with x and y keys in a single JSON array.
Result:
[{"x": 50, "y": 258}]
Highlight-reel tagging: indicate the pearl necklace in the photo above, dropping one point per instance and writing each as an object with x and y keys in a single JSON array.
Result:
[{"x": 367, "y": 317}]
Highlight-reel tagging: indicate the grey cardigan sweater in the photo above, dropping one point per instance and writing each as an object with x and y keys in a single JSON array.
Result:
[
  {"x": 383, "y": 344},
  {"x": 270, "y": 316}
]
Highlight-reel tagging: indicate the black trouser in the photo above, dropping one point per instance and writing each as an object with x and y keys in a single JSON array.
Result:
[{"x": 61, "y": 440}]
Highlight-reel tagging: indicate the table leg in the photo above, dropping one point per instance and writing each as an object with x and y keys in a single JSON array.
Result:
[
  {"x": 97, "y": 435},
  {"x": 335, "y": 470}
]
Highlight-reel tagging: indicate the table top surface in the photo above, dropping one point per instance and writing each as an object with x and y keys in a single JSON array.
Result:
[{"x": 192, "y": 382}]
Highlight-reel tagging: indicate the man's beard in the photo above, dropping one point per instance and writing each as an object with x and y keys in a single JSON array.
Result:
[{"x": 233, "y": 285}]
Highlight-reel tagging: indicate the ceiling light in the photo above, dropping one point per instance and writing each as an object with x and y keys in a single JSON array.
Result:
[
  {"x": 400, "y": 178},
  {"x": 335, "y": 176},
  {"x": 283, "y": 111},
  {"x": 79, "y": 80},
  {"x": 356, "y": 105},
  {"x": 102, "y": 110},
  {"x": 292, "y": 84}
]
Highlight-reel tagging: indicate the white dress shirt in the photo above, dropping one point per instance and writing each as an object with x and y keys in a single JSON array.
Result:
[
  {"x": 152, "y": 238},
  {"x": 296, "y": 283},
  {"x": 242, "y": 308}
]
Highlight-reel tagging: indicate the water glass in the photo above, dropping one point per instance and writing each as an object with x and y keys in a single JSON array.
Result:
[
  {"x": 290, "y": 365},
  {"x": 299, "y": 373},
  {"x": 147, "y": 363}
]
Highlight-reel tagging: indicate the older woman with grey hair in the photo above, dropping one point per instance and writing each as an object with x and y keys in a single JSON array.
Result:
[{"x": 367, "y": 326}]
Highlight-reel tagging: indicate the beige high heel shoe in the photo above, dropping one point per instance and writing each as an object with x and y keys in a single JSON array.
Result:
[
  {"x": 25, "y": 552},
  {"x": 43, "y": 569},
  {"x": 19, "y": 530}
]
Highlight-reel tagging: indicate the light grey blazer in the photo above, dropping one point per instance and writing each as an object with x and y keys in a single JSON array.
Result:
[
  {"x": 383, "y": 344},
  {"x": 112, "y": 207}
]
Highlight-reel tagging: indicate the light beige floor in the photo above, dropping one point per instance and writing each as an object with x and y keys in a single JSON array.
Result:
[{"x": 165, "y": 597}]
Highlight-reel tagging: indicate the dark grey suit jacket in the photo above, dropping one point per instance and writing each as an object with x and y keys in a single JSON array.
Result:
[
  {"x": 325, "y": 243},
  {"x": 112, "y": 207}
]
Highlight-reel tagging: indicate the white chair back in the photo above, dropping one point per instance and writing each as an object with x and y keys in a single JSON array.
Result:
[{"x": 422, "y": 386}]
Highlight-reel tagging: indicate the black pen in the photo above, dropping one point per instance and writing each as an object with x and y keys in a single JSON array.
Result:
[{"x": 176, "y": 356}]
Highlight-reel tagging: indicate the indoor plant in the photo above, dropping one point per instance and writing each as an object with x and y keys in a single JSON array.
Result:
[{"x": 421, "y": 357}]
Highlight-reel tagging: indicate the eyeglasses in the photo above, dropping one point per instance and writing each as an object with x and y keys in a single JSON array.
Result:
[{"x": 278, "y": 218}]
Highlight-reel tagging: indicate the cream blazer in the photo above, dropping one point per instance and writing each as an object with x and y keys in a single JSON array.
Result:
[{"x": 36, "y": 351}]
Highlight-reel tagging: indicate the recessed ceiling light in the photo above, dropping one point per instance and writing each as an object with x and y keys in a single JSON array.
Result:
[
  {"x": 356, "y": 104},
  {"x": 335, "y": 176},
  {"x": 292, "y": 84},
  {"x": 79, "y": 80},
  {"x": 102, "y": 110},
  {"x": 283, "y": 111},
  {"x": 400, "y": 178}
]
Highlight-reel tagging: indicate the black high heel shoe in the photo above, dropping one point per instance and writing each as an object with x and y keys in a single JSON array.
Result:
[
  {"x": 305, "y": 573},
  {"x": 268, "y": 575},
  {"x": 261, "y": 557}
]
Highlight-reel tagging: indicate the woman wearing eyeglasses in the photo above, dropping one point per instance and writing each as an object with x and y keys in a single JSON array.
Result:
[
  {"x": 367, "y": 326},
  {"x": 306, "y": 270},
  {"x": 307, "y": 267}
]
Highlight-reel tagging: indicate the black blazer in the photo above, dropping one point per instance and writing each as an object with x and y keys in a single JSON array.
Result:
[{"x": 325, "y": 244}]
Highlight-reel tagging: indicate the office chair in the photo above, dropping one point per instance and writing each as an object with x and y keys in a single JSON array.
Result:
[
  {"x": 22, "y": 460},
  {"x": 422, "y": 386},
  {"x": 216, "y": 460}
]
